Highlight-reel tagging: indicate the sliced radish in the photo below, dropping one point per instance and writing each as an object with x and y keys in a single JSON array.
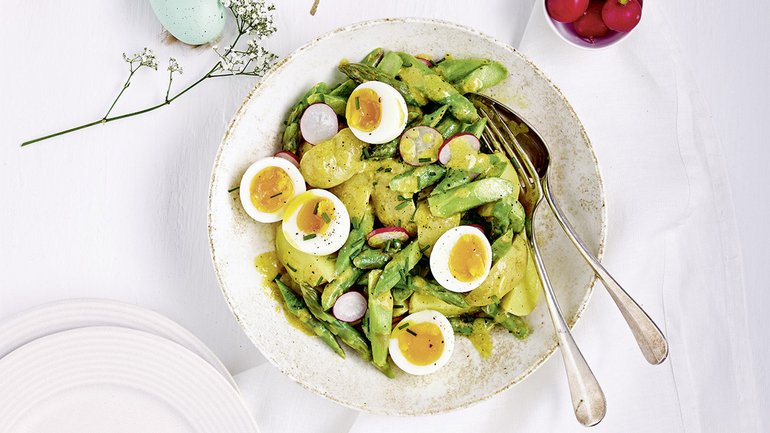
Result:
[
  {"x": 378, "y": 238},
  {"x": 419, "y": 145},
  {"x": 350, "y": 307},
  {"x": 445, "y": 151},
  {"x": 426, "y": 61},
  {"x": 319, "y": 123},
  {"x": 289, "y": 156}
]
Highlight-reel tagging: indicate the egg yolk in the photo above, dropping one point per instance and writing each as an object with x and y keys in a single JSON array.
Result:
[
  {"x": 364, "y": 110},
  {"x": 270, "y": 189},
  {"x": 468, "y": 258},
  {"x": 315, "y": 215},
  {"x": 420, "y": 343}
]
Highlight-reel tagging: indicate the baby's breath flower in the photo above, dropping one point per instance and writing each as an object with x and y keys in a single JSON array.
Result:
[
  {"x": 145, "y": 58},
  {"x": 173, "y": 66}
]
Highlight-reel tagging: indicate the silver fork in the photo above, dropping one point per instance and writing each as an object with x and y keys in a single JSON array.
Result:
[
  {"x": 588, "y": 399},
  {"x": 532, "y": 148}
]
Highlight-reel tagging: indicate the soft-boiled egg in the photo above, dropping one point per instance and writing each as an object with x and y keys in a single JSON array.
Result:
[
  {"x": 316, "y": 222},
  {"x": 376, "y": 112},
  {"x": 422, "y": 342},
  {"x": 461, "y": 259},
  {"x": 267, "y": 186}
]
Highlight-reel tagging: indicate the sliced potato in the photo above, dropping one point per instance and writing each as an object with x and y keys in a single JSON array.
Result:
[
  {"x": 334, "y": 161},
  {"x": 389, "y": 206},
  {"x": 430, "y": 227},
  {"x": 506, "y": 272},
  {"x": 526, "y": 293},
  {"x": 355, "y": 194},
  {"x": 303, "y": 268}
]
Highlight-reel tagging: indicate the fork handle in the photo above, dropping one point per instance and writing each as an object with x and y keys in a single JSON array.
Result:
[
  {"x": 648, "y": 336},
  {"x": 588, "y": 399}
]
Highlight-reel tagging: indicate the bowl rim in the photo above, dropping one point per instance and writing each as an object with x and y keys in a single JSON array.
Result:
[{"x": 275, "y": 70}]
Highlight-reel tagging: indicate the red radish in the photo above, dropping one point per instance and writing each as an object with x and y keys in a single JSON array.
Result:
[
  {"x": 426, "y": 61},
  {"x": 445, "y": 151},
  {"x": 289, "y": 156},
  {"x": 419, "y": 145},
  {"x": 350, "y": 307},
  {"x": 378, "y": 238},
  {"x": 590, "y": 25},
  {"x": 318, "y": 123},
  {"x": 478, "y": 226},
  {"x": 622, "y": 15},
  {"x": 566, "y": 11}
]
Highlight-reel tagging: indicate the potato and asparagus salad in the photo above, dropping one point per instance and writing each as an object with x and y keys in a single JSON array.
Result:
[{"x": 396, "y": 231}]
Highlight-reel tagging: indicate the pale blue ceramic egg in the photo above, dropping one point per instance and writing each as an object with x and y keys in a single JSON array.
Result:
[{"x": 193, "y": 22}]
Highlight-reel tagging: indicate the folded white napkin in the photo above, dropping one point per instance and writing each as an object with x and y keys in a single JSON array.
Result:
[{"x": 671, "y": 243}]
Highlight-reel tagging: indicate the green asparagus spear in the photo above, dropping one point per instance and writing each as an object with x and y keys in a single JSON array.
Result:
[
  {"x": 482, "y": 78},
  {"x": 297, "y": 307},
  {"x": 453, "y": 179},
  {"x": 362, "y": 73},
  {"x": 384, "y": 150},
  {"x": 505, "y": 214},
  {"x": 402, "y": 291},
  {"x": 424, "y": 286},
  {"x": 455, "y": 69},
  {"x": 380, "y": 318},
  {"x": 398, "y": 267},
  {"x": 390, "y": 64},
  {"x": 425, "y": 84},
  {"x": 417, "y": 179},
  {"x": 469, "y": 196},
  {"x": 461, "y": 325},
  {"x": 347, "y": 333},
  {"x": 414, "y": 113},
  {"x": 476, "y": 128},
  {"x": 449, "y": 126},
  {"x": 371, "y": 259},
  {"x": 346, "y": 88},
  {"x": 514, "y": 324},
  {"x": 340, "y": 285},
  {"x": 432, "y": 119},
  {"x": 355, "y": 242}
]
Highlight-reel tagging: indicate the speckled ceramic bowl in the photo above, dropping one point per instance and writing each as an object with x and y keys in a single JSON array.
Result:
[{"x": 236, "y": 239}]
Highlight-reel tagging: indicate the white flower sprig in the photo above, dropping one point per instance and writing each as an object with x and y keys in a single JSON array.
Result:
[{"x": 252, "y": 17}]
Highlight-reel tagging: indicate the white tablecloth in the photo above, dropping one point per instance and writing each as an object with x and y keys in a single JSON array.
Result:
[{"x": 119, "y": 211}]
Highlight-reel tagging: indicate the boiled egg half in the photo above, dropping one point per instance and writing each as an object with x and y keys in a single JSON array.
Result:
[
  {"x": 267, "y": 186},
  {"x": 422, "y": 342},
  {"x": 376, "y": 112},
  {"x": 461, "y": 259},
  {"x": 316, "y": 222}
]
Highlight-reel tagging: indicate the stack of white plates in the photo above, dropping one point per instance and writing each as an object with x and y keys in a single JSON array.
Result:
[{"x": 95, "y": 366}]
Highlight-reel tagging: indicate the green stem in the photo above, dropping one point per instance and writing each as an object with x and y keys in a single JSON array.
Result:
[
  {"x": 125, "y": 86},
  {"x": 123, "y": 116},
  {"x": 170, "y": 79}
]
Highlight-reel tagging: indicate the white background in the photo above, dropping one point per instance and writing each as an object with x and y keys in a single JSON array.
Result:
[{"x": 120, "y": 211}]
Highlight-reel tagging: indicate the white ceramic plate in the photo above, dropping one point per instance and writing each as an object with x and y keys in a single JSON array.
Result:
[
  {"x": 117, "y": 380},
  {"x": 236, "y": 239},
  {"x": 47, "y": 319}
]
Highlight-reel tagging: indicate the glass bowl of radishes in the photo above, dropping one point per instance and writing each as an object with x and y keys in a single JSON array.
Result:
[{"x": 593, "y": 24}]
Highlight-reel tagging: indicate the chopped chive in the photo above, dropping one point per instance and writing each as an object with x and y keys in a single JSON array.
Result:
[
  {"x": 366, "y": 153},
  {"x": 320, "y": 280},
  {"x": 325, "y": 216},
  {"x": 403, "y": 326},
  {"x": 387, "y": 245},
  {"x": 402, "y": 198},
  {"x": 276, "y": 195},
  {"x": 234, "y": 188},
  {"x": 358, "y": 104},
  {"x": 423, "y": 159},
  {"x": 388, "y": 170},
  {"x": 315, "y": 209},
  {"x": 293, "y": 269},
  {"x": 380, "y": 169},
  {"x": 398, "y": 306},
  {"x": 411, "y": 332},
  {"x": 403, "y": 204},
  {"x": 425, "y": 248},
  {"x": 399, "y": 222},
  {"x": 308, "y": 237},
  {"x": 276, "y": 278}
]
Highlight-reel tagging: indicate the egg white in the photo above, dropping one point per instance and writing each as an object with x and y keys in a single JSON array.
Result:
[
  {"x": 446, "y": 332},
  {"x": 298, "y": 182},
  {"x": 439, "y": 259},
  {"x": 393, "y": 118},
  {"x": 322, "y": 244}
]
